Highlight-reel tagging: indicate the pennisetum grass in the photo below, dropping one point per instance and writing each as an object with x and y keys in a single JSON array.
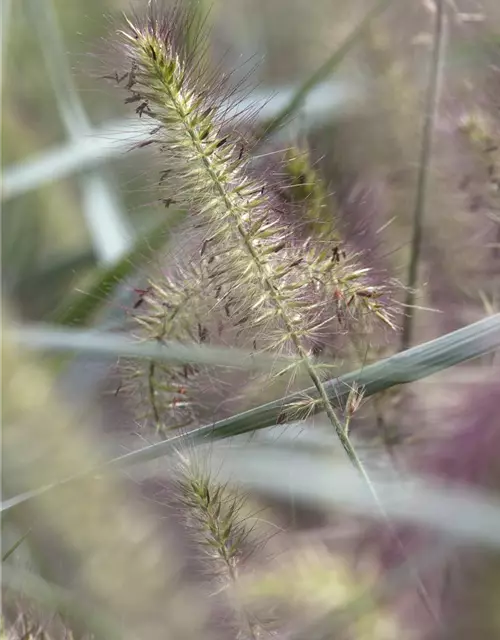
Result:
[
  {"x": 260, "y": 264},
  {"x": 285, "y": 287},
  {"x": 357, "y": 304},
  {"x": 267, "y": 278},
  {"x": 214, "y": 516}
]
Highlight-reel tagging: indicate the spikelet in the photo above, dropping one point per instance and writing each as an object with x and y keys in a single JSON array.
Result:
[
  {"x": 179, "y": 306},
  {"x": 167, "y": 396},
  {"x": 358, "y": 298}
]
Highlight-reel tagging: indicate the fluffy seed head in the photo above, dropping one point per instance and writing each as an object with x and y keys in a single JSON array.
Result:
[{"x": 284, "y": 290}]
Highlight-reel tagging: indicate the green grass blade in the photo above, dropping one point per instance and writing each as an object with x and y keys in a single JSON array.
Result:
[
  {"x": 414, "y": 364},
  {"x": 81, "y": 307},
  {"x": 105, "y": 344},
  {"x": 15, "y": 546},
  {"x": 419, "y": 362},
  {"x": 322, "y": 73},
  {"x": 108, "y": 227}
]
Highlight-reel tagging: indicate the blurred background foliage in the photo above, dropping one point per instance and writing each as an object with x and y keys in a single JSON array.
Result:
[{"x": 74, "y": 199}]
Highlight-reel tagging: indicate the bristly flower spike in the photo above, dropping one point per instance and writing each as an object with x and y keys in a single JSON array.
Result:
[
  {"x": 249, "y": 251},
  {"x": 214, "y": 516}
]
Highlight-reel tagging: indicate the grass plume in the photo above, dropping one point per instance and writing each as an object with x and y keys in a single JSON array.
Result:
[
  {"x": 277, "y": 284},
  {"x": 213, "y": 515}
]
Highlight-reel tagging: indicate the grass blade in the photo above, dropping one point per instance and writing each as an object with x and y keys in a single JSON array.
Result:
[
  {"x": 419, "y": 362},
  {"x": 322, "y": 73},
  {"x": 108, "y": 228},
  {"x": 106, "y": 345},
  {"x": 414, "y": 364},
  {"x": 15, "y": 546},
  {"x": 81, "y": 307}
]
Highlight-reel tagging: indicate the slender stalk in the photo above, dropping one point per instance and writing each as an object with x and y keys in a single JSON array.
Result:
[
  {"x": 322, "y": 73},
  {"x": 430, "y": 115}
]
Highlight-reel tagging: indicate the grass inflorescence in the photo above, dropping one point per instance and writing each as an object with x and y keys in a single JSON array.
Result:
[
  {"x": 213, "y": 515},
  {"x": 285, "y": 291}
]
